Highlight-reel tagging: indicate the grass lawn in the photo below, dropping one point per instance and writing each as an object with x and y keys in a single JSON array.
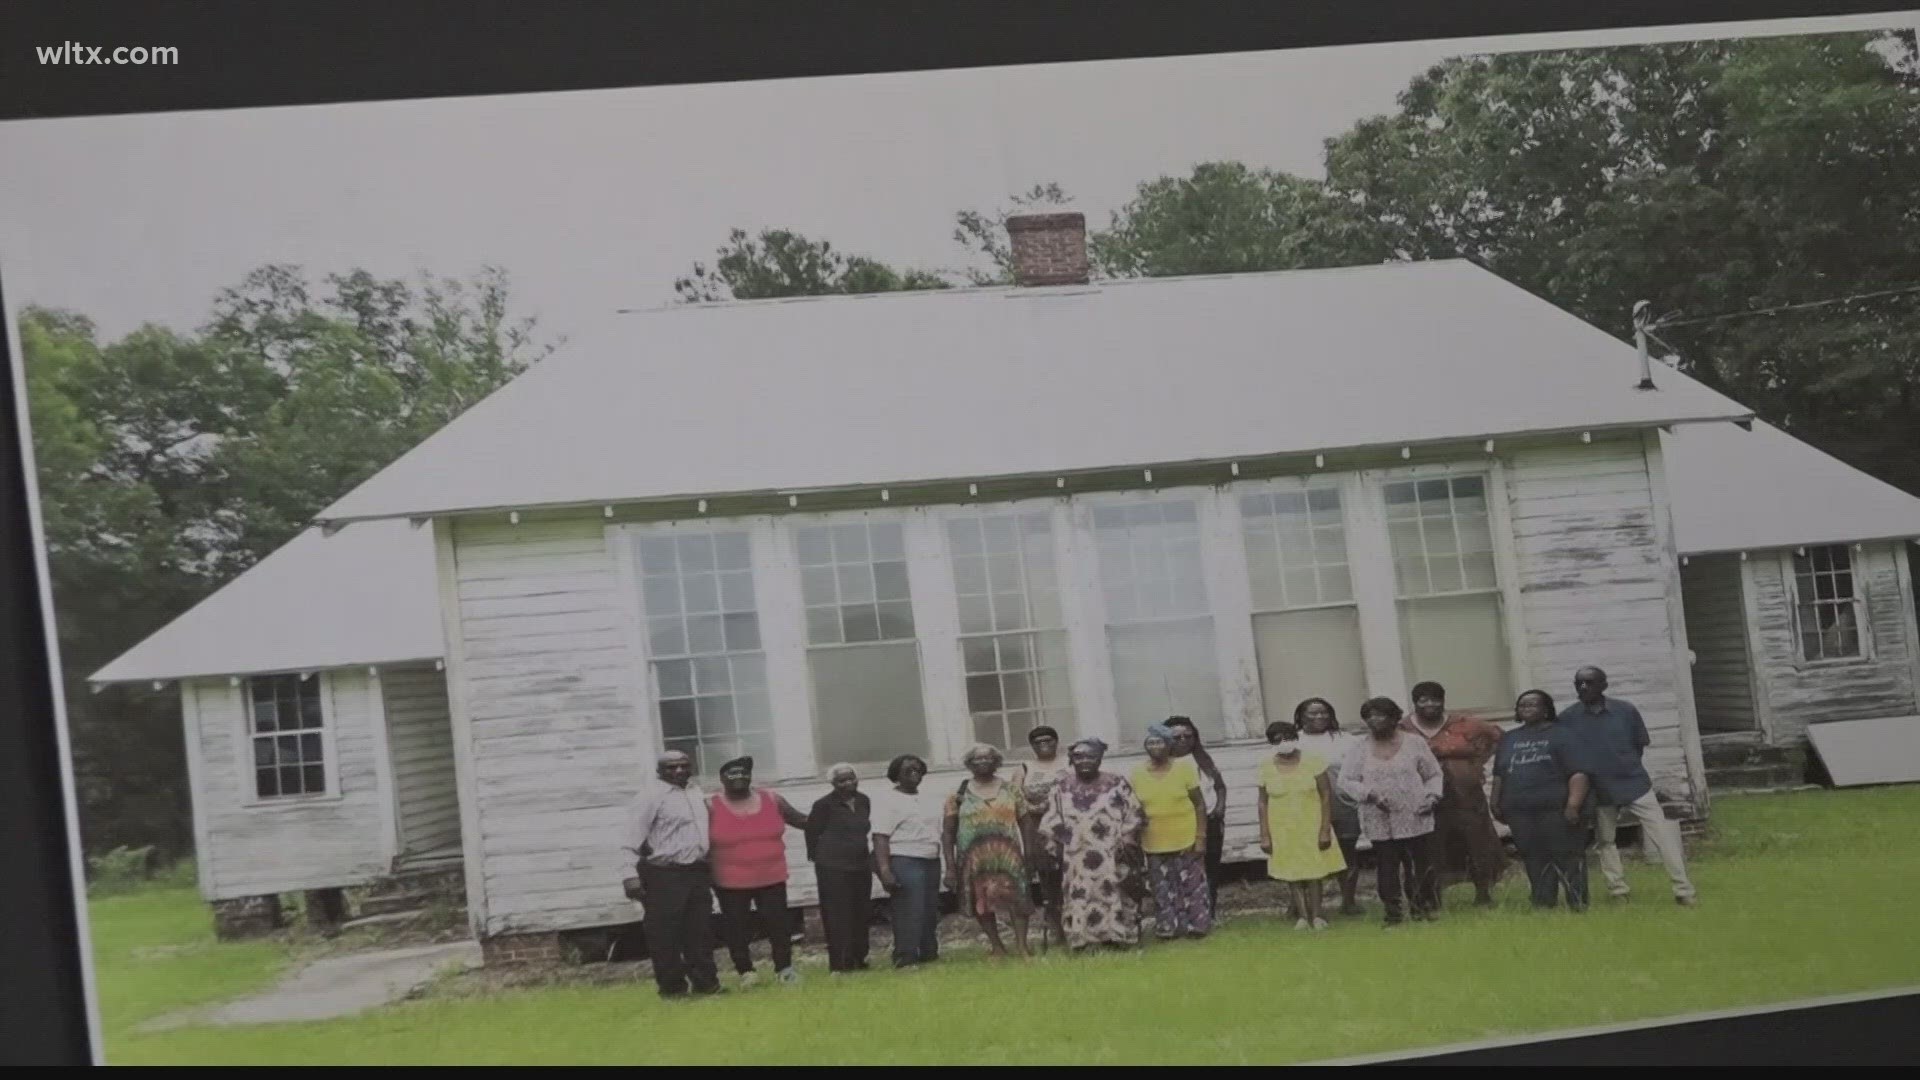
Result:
[{"x": 1802, "y": 895}]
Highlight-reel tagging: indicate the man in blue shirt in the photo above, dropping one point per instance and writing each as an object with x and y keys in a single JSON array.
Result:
[{"x": 1612, "y": 737}]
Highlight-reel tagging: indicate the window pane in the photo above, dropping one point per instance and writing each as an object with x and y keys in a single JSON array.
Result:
[
  {"x": 970, "y": 574},
  {"x": 696, "y": 552},
  {"x": 314, "y": 779},
  {"x": 657, "y": 555},
  {"x": 888, "y": 543},
  {"x": 262, "y": 753},
  {"x": 703, "y": 592},
  {"x": 266, "y": 783},
  {"x": 749, "y": 672},
  {"x": 736, "y": 591},
  {"x": 976, "y": 615},
  {"x": 667, "y": 637},
  {"x": 983, "y": 693},
  {"x": 675, "y": 677},
  {"x": 704, "y": 634},
  {"x": 290, "y": 780},
  {"x": 816, "y": 545},
  {"x": 264, "y": 714},
  {"x": 823, "y": 626},
  {"x": 896, "y": 620},
  {"x": 711, "y": 674},
  {"x": 1305, "y": 654},
  {"x": 856, "y": 584},
  {"x": 732, "y": 551},
  {"x": 1460, "y": 642},
  {"x": 677, "y": 719},
  {"x": 818, "y": 586},
  {"x": 867, "y": 703},
  {"x": 963, "y": 535},
  {"x": 310, "y": 749},
  {"x": 860, "y": 622},
  {"x": 977, "y": 654},
  {"x": 310, "y": 714},
  {"x": 890, "y": 581},
  {"x": 850, "y": 543},
  {"x": 288, "y": 749},
  {"x": 661, "y": 596},
  {"x": 1165, "y": 669},
  {"x": 714, "y": 715},
  {"x": 742, "y": 632}
]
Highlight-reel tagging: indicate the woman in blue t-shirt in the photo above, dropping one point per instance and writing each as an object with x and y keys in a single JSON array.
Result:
[{"x": 1540, "y": 792}]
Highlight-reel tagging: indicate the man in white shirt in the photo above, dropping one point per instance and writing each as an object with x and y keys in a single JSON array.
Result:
[{"x": 664, "y": 867}]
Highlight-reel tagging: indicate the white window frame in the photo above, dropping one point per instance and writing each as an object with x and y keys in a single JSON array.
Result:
[
  {"x": 935, "y": 618},
  {"x": 1346, "y": 485},
  {"x": 1862, "y": 613},
  {"x": 1059, "y": 525},
  {"x": 1228, "y": 599},
  {"x": 329, "y": 745},
  {"x": 1384, "y": 589},
  {"x": 624, "y": 542}
]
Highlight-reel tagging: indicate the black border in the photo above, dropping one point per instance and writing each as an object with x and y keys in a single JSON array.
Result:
[{"x": 251, "y": 53}]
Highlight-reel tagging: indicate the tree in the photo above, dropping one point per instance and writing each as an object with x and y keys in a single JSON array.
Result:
[
  {"x": 169, "y": 463},
  {"x": 1228, "y": 218},
  {"x": 780, "y": 262},
  {"x": 1710, "y": 178}
]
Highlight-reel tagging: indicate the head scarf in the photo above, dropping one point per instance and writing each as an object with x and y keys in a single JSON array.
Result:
[
  {"x": 1093, "y": 743},
  {"x": 982, "y": 750},
  {"x": 1160, "y": 731}
]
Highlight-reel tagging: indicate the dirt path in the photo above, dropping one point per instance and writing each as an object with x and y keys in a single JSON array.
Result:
[{"x": 335, "y": 986}]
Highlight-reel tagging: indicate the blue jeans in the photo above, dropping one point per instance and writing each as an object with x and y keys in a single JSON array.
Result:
[{"x": 916, "y": 910}]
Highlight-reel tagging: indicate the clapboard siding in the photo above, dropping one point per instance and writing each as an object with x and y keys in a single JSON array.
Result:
[
  {"x": 558, "y": 734},
  {"x": 1717, "y": 633},
  {"x": 1798, "y": 694},
  {"x": 260, "y": 848},
  {"x": 420, "y": 742},
  {"x": 1593, "y": 587},
  {"x": 552, "y": 717}
]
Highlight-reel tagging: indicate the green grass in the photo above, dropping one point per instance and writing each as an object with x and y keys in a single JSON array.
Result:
[{"x": 1802, "y": 895}]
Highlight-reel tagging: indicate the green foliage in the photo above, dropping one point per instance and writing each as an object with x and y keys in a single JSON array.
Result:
[
  {"x": 780, "y": 262},
  {"x": 168, "y": 463}
]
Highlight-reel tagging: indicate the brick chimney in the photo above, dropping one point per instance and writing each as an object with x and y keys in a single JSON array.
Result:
[{"x": 1049, "y": 249}]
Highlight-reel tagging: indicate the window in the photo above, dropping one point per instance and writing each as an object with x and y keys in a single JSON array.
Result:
[
  {"x": 289, "y": 743},
  {"x": 862, "y": 654},
  {"x": 1306, "y": 626},
  {"x": 703, "y": 640},
  {"x": 1827, "y": 611},
  {"x": 1013, "y": 645},
  {"x": 1451, "y": 625},
  {"x": 1159, "y": 623}
]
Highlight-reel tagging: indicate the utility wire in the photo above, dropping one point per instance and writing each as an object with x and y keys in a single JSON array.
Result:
[{"x": 1902, "y": 291}]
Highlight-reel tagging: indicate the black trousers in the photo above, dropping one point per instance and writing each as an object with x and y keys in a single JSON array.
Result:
[
  {"x": 1216, "y": 847},
  {"x": 679, "y": 927},
  {"x": 739, "y": 906},
  {"x": 1555, "y": 855},
  {"x": 1407, "y": 874},
  {"x": 845, "y": 913}
]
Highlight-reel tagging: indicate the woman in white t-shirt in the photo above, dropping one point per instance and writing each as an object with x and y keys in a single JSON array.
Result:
[
  {"x": 1037, "y": 778},
  {"x": 1320, "y": 734},
  {"x": 906, "y": 855}
]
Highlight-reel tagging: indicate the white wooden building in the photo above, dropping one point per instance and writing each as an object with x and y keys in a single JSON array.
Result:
[
  {"x": 1798, "y": 579},
  {"x": 318, "y": 740},
  {"x": 845, "y": 528}
]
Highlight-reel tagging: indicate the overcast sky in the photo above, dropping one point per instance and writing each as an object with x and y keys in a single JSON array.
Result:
[{"x": 595, "y": 201}]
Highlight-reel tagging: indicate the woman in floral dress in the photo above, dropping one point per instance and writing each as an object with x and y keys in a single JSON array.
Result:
[
  {"x": 985, "y": 846},
  {"x": 1092, "y": 827}
]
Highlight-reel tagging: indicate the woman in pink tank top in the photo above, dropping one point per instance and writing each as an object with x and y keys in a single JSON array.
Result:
[{"x": 748, "y": 845}]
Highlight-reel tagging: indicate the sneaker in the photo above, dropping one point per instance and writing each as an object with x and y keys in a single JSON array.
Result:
[
  {"x": 1302, "y": 924},
  {"x": 787, "y": 977},
  {"x": 1685, "y": 901},
  {"x": 749, "y": 979},
  {"x": 1319, "y": 924}
]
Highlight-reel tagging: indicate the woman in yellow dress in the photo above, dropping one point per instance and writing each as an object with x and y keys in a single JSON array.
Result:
[{"x": 1296, "y": 822}]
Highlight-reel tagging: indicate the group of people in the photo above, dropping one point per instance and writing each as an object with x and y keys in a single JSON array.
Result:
[{"x": 1083, "y": 848}]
